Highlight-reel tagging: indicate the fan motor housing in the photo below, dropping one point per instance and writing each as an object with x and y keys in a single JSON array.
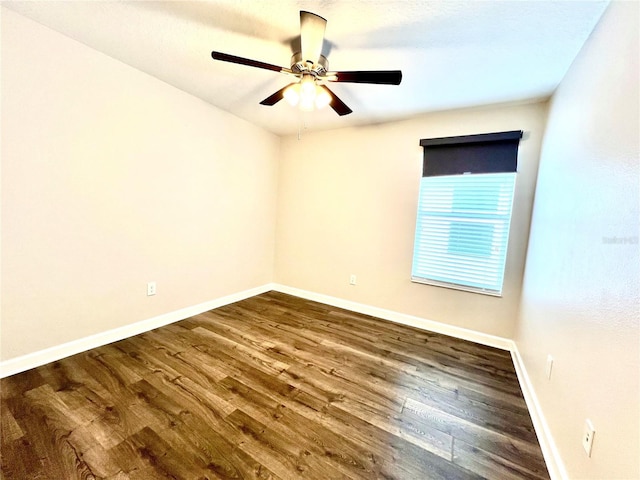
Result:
[{"x": 318, "y": 69}]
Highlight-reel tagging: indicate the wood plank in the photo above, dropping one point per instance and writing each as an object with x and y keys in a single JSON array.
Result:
[
  {"x": 497, "y": 442},
  {"x": 10, "y": 429},
  {"x": 493, "y": 466}
]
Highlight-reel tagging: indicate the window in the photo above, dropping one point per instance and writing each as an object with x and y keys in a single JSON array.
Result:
[{"x": 464, "y": 211}]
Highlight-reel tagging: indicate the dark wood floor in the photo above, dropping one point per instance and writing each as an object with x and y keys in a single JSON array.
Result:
[{"x": 272, "y": 387}]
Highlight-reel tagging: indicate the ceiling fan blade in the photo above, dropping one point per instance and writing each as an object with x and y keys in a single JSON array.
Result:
[
  {"x": 312, "y": 29},
  {"x": 384, "y": 77},
  {"x": 276, "y": 97},
  {"x": 338, "y": 105},
  {"x": 225, "y": 57}
]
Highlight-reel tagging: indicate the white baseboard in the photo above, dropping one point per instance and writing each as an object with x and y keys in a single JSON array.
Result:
[
  {"x": 404, "y": 319},
  {"x": 552, "y": 457},
  {"x": 42, "y": 357}
]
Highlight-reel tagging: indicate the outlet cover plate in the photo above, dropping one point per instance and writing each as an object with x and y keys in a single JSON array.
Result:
[{"x": 587, "y": 436}]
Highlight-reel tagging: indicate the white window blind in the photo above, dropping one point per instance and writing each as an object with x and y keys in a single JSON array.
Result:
[{"x": 462, "y": 231}]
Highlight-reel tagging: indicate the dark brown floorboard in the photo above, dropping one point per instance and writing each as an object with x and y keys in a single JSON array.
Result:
[{"x": 272, "y": 387}]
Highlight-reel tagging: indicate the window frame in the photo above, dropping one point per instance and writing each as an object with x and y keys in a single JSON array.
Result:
[{"x": 492, "y": 153}]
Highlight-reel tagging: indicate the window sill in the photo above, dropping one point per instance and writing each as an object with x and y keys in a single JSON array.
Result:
[{"x": 455, "y": 286}]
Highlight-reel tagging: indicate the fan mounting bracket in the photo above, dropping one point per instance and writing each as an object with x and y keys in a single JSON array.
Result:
[{"x": 318, "y": 69}]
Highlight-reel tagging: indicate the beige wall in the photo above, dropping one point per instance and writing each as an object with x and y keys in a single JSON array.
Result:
[
  {"x": 347, "y": 205},
  {"x": 581, "y": 299},
  {"x": 111, "y": 179}
]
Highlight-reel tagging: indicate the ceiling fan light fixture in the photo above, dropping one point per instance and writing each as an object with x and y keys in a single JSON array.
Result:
[
  {"x": 308, "y": 87},
  {"x": 292, "y": 94},
  {"x": 322, "y": 97},
  {"x": 307, "y": 91},
  {"x": 307, "y": 95},
  {"x": 306, "y": 104}
]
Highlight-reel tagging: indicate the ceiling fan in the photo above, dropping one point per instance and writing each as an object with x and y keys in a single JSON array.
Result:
[{"x": 310, "y": 68}]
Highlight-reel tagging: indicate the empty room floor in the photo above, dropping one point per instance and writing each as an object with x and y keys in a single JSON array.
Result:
[{"x": 272, "y": 387}]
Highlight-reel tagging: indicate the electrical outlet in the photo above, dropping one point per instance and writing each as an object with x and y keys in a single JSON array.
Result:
[
  {"x": 587, "y": 436},
  {"x": 352, "y": 279},
  {"x": 549, "y": 366},
  {"x": 151, "y": 288}
]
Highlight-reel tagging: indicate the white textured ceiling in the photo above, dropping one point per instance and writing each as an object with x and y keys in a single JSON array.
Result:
[{"x": 452, "y": 53}]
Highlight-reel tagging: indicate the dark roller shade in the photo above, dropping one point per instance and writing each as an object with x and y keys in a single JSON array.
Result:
[{"x": 484, "y": 153}]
